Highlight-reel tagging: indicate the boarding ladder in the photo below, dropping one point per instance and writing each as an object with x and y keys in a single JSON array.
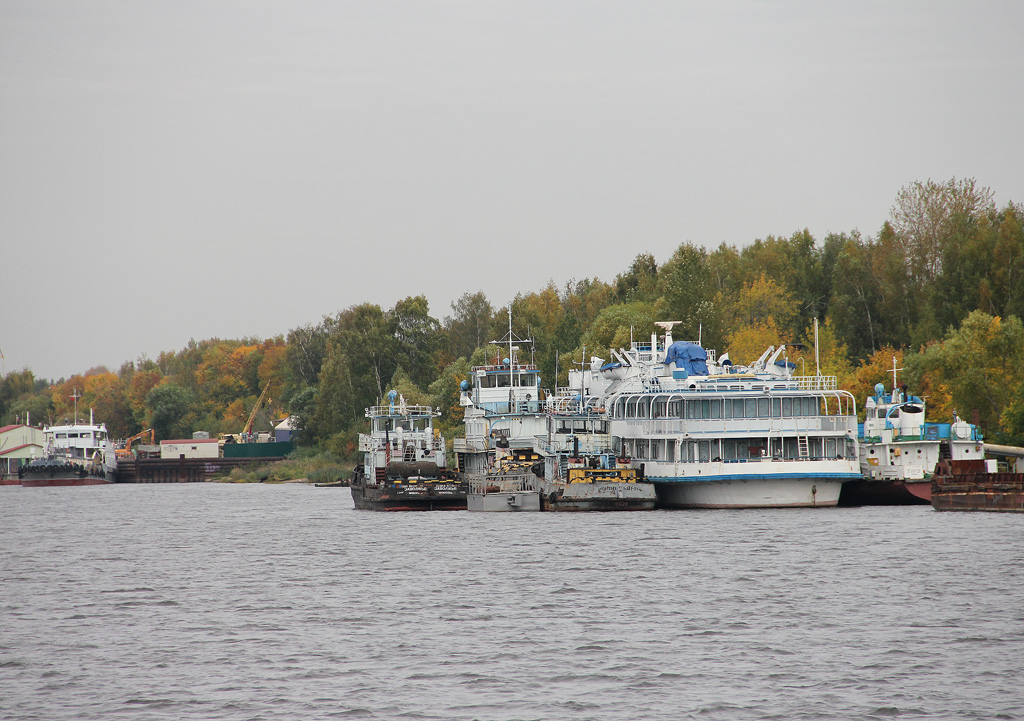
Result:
[{"x": 803, "y": 446}]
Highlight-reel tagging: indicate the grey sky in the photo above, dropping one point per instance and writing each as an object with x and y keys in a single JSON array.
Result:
[{"x": 175, "y": 170}]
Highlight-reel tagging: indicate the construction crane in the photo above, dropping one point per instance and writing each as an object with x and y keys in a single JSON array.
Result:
[{"x": 247, "y": 429}]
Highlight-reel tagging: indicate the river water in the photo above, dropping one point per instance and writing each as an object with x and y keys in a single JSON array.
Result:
[{"x": 220, "y": 601}]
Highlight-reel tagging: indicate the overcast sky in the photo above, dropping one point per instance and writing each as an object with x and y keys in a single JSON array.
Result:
[{"x": 176, "y": 170}]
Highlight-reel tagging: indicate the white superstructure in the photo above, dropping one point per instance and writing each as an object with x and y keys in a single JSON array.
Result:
[
  {"x": 713, "y": 435},
  {"x": 898, "y": 444},
  {"x": 502, "y": 405},
  {"x": 85, "y": 443}
]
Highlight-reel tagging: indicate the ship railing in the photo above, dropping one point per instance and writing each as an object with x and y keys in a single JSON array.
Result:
[
  {"x": 505, "y": 483},
  {"x": 755, "y": 459},
  {"x": 585, "y": 444},
  {"x": 700, "y": 426},
  {"x": 469, "y": 445},
  {"x": 399, "y": 410},
  {"x": 816, "y": 383},
  {"x": 516, "y": 367}
]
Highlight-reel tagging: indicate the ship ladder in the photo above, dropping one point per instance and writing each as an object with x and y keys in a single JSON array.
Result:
[
  {"x": 802, "y": 446},
  {"x": 410, "y": 454}
]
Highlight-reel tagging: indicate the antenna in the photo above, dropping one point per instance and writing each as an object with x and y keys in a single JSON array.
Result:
[
  {"x": 893, "y": 371},
  {"x": 817, "y": 362},
  {"x": 76, "y": 395},
  {"x": 3, "y": 365}
]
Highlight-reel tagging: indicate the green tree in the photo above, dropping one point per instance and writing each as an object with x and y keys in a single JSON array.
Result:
[
  {"x": 470, "y": 325},
  {"x": 170, "y": 405},
  {"x": 417, "y": 337},
  {"x": 687, "y": 291},
  {"x": 640, "y": 282}
]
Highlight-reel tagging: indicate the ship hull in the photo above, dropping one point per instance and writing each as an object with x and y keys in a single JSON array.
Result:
[
  {"x": 999, "y": 498},
  {"x": 749, "y": 492},
  {"x": 968, "y": 486},
  {"x": 428, "y": 497},
  {"x": 63, "y": 481},
  {"x": 499, "y": 502},
  {"x": 598, "y": 497},
  {"x": 886, "y": 493}
]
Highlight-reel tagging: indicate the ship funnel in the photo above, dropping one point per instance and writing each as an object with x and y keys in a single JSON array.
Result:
[{"x": 911, "y": 420}]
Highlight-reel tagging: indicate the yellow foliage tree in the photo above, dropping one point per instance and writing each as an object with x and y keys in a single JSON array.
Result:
[{"x": 746, "y": 344}]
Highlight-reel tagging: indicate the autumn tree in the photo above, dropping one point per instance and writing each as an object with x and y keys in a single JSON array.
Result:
[{"x": 980, "y": 364}]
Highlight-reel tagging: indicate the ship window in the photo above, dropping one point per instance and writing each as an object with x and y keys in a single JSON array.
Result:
[
  {"x": 787, "y": 407},
  {"x": 737, "y": 407},
  {"x": 641, "y": 448},
  {"x": 763, "y": 407},
  {"x": 655, "y": 450},
  {"x": 704, "y": 449},
  {"x": 716, "y": 408},
  {"x": 729, "y": 450},
  {"x": 727, "y": 408},
  {"x": 830, "y": 447},
  {"x": 776, "y": 407},
  {"x": 675, "y": 409},
  {"x": 660, "y": 407},
  {"x": 750, "y": 408}
]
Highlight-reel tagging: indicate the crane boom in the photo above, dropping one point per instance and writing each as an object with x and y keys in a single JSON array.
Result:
[{"x": 252, "y": 416}]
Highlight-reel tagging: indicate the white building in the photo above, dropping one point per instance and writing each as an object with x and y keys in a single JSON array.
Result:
[
  {"x": 18, "y": 445},
  {"x": 190, "y": 448}
]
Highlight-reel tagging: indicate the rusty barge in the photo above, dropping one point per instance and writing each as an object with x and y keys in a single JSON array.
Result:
[{"x": 975, "y": 486}]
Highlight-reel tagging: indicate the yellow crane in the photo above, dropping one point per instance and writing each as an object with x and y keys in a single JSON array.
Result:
[
  {"x": 126, "y": 452},
  {"x": 247, "y": 429}
]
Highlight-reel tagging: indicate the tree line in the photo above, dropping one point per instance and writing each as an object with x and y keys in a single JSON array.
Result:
[{"x": 939, "y": 288}]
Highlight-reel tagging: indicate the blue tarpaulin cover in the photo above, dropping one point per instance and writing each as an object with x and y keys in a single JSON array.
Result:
[{"x": 689, "y": 357}]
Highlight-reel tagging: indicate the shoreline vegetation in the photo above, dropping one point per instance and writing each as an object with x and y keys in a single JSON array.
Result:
[
  {"x": 304, "y": 465},
  {"x": 938, "y": 290}
]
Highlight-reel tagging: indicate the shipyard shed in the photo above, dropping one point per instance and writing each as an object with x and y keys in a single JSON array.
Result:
[
  {"x": 18, "y": 445},
  {"x": 285, "y": 430},
  {"x": 190, "y": 448}
]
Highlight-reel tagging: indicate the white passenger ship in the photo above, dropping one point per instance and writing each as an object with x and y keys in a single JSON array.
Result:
[{"x": 713, "y": 435}]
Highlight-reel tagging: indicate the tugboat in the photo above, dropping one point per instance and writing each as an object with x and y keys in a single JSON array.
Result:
[
  {"x": 899, "y": 450},
  {"x": 509, "y": 486},
  {"x": 502, "y": 407},
  {"x": 577, "y": 469},
  {"x": 77, "y": 454},
  {"x": 404, "y": 465}
]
